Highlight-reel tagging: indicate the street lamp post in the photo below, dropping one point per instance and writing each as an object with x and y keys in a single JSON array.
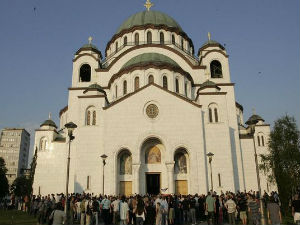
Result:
[
  {"x": 263, "y": 221},
  {"x": 210, "y": 156},
  {"x": 104, "y": 163},
  {"x": 70, "y": 127}
]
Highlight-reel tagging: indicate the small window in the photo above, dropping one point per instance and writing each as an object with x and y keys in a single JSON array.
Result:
[
  {"x": 185, "y": 89},
  {"x": 216, "y": 69},
  {"x": 162, "y": 38},
  {"x": 258, "y": 140},
  {"x": 91, "y": 116},
  {"x": 173, "y": 39},
  {"x": 125, "y": 40},
  {"x": 136, "y": 39},
  {"x": 150, "y": 79},
  {"x": 216, "y": 115},
  {"x": 116, "y": 91},
  {"x": 136, "y": 83},
  {"x": 165, "y": 82},
  {"x": 219, "y": 178},
  {"x": 176, "y": 85},
  {"x": 262, "y": 141},
  {"x": 85, "y": 73},
  {"x": 210, "y": 115},
  {"x": 182, "y": 44},
  {"x": 124, "y": 87},
  {"x": 116, "y": 46},
  {"x": 149, "y": 37}
]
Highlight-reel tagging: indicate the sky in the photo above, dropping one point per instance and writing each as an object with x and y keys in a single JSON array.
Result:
[{"x": 38, "y": 39}]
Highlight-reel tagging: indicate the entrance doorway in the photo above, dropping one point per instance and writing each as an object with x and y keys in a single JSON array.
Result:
[{"x": 153, "y": 183}]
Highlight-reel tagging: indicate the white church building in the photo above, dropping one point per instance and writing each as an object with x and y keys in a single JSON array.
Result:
[{"x": 156, "y": 109}]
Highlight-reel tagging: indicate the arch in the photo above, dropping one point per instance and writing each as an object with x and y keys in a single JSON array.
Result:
[
  {"x": 216, "y": 69},
  {"x": 150, "y": 79},
  {"x": 85, "y": 73},
  {"x": 176, "y": 85},
  {"x": 181, "y": 161},
  {"x": 125, "y": 40},
  {"x": 149, "y": 37},
  {"x": 124, "y": 87},
  {"x": 90, "y": 116},
  {"x": 136, "y": 39},
  {"x": 173, "y": 39},
  {"x": 151, "y": 151},
  {"x": 136, "y": 83},
  {"x": 125, "y": 162},
  {"x": 43, "y": 144},
  {"x": 161, "y": 38},
  {"x": 165, "y": 82}
]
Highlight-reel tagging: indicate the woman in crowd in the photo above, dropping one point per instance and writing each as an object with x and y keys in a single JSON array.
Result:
[{"x": 58, "y": 215}]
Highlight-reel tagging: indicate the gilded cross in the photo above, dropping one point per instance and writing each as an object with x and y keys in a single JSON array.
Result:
[
  {"x": 253, "y": 111},
  {"x": 90, "y": 40},
  {"x": 148, "y": 5},
  {"x": 209, "y": 35},
  {"x": 49, "y": 115}
]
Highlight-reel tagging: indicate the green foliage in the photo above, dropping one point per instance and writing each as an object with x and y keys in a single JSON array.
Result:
[
  {"x": 4, "y": 188},
  {"x": 21, "y": 186},
  {"x": 16, "y": 217},
  {"x": 32, "y": 168},
  {"x": 282, "y": 162}
]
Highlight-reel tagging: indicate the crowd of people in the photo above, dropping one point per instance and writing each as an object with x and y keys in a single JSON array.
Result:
[{"x": 88, "y": 209}]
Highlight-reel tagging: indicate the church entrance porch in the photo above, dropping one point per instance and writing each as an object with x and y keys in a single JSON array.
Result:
[{"x": 153, "y": 183}]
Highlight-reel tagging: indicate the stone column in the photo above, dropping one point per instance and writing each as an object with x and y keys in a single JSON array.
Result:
[
  {"x": 170, "y": 169},
  {"x": 136, "y": 178}
]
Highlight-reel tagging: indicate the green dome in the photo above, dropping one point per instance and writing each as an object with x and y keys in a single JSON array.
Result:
[
  {"x": 254, "y": 119},
  {"x": 208, "y": 83},
  {"x": 89, "y": 47},
  {"x": 149, "y": 17},
  {"x": 49, "y": 123},
  {"x": 155, "y": 58}
]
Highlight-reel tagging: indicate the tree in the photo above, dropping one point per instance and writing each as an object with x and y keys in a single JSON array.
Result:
[
  {"x": 4, "y": 187},
  {"x": 282, "y": 162},
  {"x": 32, "y": 169},
  {"x": 21, "y": 186}
]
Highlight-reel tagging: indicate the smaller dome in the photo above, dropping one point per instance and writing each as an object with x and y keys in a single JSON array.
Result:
[
  {"x": 90, "y": 47},
  {"x": 210, "y": 43},
  {"x": 254, "y": 119},
  {"x": 95, "y": 86},
  {"x": 48, "y": 122},
  {"x": 154, "y": 58},
  {"x": 208, "y": 83}
]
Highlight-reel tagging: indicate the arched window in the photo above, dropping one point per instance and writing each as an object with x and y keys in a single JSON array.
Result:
[
  {"x": 124, "y": 87},
  {"x": 213, "y": 115},
  {"x": 136, "y": 83},
  {"x": 91, "y": 116},
  {"x": 165, "y": 82},
  {"x": 149, "y": 37},
  {"x": 85, "y": 73},
  {"x": 188, "y": 47},
  {"x": 185, "y": 88},
  {"x": 262, "y": 141},
  {"x": 258, "y": 140},
  {"x": 173, "y": 39},
  {"x": 180, "y": 159},
  {"x": 216, "y": 69},
  {"x": 116, "y": 46},
  {"x": 43, "y": 144},
  {"x": 125, "y": 41},
  {"x": 136, "y": 39},
  {"x": 125, "y": 162},
  {"x": 182, "y": 43},
  {"x": 162, "y": 38},
  {"x": 150, "y": 79},
  {"x": 176, "y": 85},
  {"x": 116, "y": 91}
]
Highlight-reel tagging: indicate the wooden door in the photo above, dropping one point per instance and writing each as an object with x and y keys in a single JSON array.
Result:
[
  {"x": 181, "y": 187},
  {"x": 125, "y": 188}
]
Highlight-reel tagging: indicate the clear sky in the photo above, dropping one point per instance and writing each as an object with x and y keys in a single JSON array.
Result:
[{"x": 38, "y": 39}]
